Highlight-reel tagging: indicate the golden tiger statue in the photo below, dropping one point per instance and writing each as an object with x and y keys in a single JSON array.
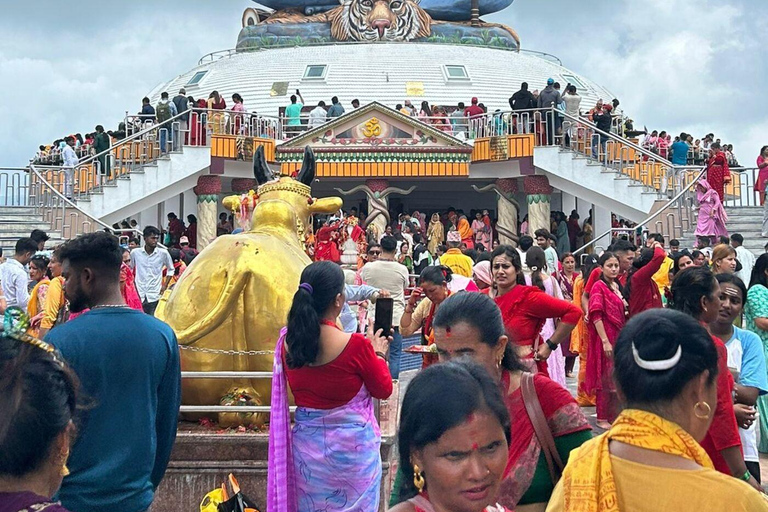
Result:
[
  {"x": 231, "y": 302},
  {"x": 368, "y": 20}
]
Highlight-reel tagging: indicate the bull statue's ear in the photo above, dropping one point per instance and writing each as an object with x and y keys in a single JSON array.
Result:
[
  {"x": 307, "y": 173},
  {"x": 261, "y": 170}
]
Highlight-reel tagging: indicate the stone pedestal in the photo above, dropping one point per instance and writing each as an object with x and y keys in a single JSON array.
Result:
[{"x": 202, "y": 459}]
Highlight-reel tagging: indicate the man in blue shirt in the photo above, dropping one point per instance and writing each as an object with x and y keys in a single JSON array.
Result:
[
  {"x": 336, "y": 109},
  {"x": 128, "y": 366},
  {"x": 680, "y": 150},
  {"x": 357, "y": 293}
]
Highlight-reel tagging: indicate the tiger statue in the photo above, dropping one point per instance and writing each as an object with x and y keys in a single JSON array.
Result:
[{"x": 368, "y": 20}]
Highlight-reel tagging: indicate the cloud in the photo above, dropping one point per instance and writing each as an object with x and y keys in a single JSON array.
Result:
[
  {"x": 76, "y": 68},
  {"x": 675, "y": 65}
]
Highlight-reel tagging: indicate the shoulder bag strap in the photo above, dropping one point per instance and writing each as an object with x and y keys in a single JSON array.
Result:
[{"x": 540, "y": 427}]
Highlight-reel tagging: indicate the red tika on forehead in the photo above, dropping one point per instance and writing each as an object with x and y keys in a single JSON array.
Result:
[{"x": 448, "y": 333}]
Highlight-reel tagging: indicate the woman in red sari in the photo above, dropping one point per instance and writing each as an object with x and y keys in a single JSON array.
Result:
[
  {"x": 127, "y": 283},
  {"x": 608, "y": 313},
  {"x": 326, "y": 248},
  {"x": 469, "y": 324},
  {"x": 695, "y": 291},
  {"x": 525, "y": 309},
  {"x": 718, "y": 172},
  {"x": 197, "y": 118}
]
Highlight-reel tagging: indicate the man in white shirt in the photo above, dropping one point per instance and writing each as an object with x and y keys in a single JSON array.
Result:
[
  {"x": 543, "y": 240},
  {"x": 148, "y": 263},
  {"x": 387, "y": 274},
  {"x": 318, "y": 116},
  {"x": 745, "y": 257},
  {"x": 70, "y": 162},
  {"x": 14, "y": 277}
]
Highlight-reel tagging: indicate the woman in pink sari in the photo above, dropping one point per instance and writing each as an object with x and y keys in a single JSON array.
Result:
[
  {"x": 762, "y": 175},
  {"x": 712, "y": 216},
  {"x": 127, "y": 284}
]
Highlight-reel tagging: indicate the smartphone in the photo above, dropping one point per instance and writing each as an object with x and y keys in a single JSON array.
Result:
[{"x": 383, "y": 316}]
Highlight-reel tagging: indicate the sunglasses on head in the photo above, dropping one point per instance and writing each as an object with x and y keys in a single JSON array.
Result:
[{"x": 374, "y": 252}]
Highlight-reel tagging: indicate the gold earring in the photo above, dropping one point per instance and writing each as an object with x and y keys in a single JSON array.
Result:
[
  {"x": 498, "y": 363},
  {"x": 418, "y": 478},
  {"x": 64, "y": 468},
  {"x": 699, "y": 415}
]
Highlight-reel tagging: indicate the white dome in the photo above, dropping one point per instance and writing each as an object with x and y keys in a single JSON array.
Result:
[{"x": 378, "y": 72}]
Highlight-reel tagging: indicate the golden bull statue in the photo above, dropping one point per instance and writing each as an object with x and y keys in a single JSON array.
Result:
[{"x": 230, "y": 304}]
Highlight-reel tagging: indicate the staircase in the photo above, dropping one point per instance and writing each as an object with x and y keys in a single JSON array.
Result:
[
  {"x": 140, "y": 175},
  {"x": 18, "y": 222},
  {"x": 747, "y": 220},
  {"x": 147, "y": 185},
  {"x": 596, "y": 182}
]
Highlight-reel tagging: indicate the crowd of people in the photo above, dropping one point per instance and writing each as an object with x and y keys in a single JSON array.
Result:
[{"x": 670, "y": 349}]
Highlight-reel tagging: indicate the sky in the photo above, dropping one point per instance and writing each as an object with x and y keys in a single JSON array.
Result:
[{"x": 697, "y": 66}]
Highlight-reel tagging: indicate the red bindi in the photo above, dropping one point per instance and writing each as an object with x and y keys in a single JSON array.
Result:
[
  {"x": 448, "y": 332},
  {"x": 475, "y": 447}
]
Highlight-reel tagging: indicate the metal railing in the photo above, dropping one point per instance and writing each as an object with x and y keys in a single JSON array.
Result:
[
  {"x": 63, "y": 215},
  {"x": 94, "y": 172},
  {"x": 227, "y": 408},
  {"x": 205, "y": 123},
  {"x": 741, "y": 190},
  {"x": 14, "y": 186},
  {"x": 223, "y": 54},
  {"x": 678, "y": 212}
]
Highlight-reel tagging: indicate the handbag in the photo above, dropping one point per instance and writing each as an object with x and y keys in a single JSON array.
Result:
[{"x": 541, "y": 427}]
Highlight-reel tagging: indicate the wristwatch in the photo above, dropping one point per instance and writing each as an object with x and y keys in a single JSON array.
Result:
[{"x": 552, "y": 346}]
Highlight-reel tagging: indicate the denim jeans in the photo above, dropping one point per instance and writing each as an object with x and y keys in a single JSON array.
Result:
[
  {"x": 395, "y": 352},
  {"x": 602, "y": 142},
  {"x": 164, "y": 133}
]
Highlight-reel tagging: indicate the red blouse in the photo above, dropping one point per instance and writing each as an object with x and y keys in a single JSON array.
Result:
[
  {"x": 644, "y": 292},
  {"x": 526, "y": 308},
  {"x": 334, "y": 384},
  {"x": 723, "y": 432}
]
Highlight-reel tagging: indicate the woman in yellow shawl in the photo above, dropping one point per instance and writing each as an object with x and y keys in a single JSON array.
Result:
[
  {"x": 40, "y": 275},
  {"x": 435, "y": 233},
  {"x": 467, "y": 235},
  {"x": 665, "y": 366}
]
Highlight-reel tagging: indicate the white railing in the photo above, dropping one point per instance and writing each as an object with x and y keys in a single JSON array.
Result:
[
  {"x": 223, "y": 54},
  {"x": 741, "y": 191},
  {"x": 63, "y": 215}
]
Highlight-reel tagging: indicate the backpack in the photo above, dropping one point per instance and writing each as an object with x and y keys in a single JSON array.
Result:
[{"x": 163, "y": 111}]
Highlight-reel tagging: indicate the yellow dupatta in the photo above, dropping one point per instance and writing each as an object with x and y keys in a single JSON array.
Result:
[
  {"x": 34, "y": 306},
  {"x": 588, "y": 484}
]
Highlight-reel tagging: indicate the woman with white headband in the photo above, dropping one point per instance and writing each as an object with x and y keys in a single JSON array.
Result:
[{"x": 667, "y": 370}]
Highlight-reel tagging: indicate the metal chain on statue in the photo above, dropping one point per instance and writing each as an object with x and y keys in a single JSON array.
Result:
[{"x": 228, "y": 352}]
